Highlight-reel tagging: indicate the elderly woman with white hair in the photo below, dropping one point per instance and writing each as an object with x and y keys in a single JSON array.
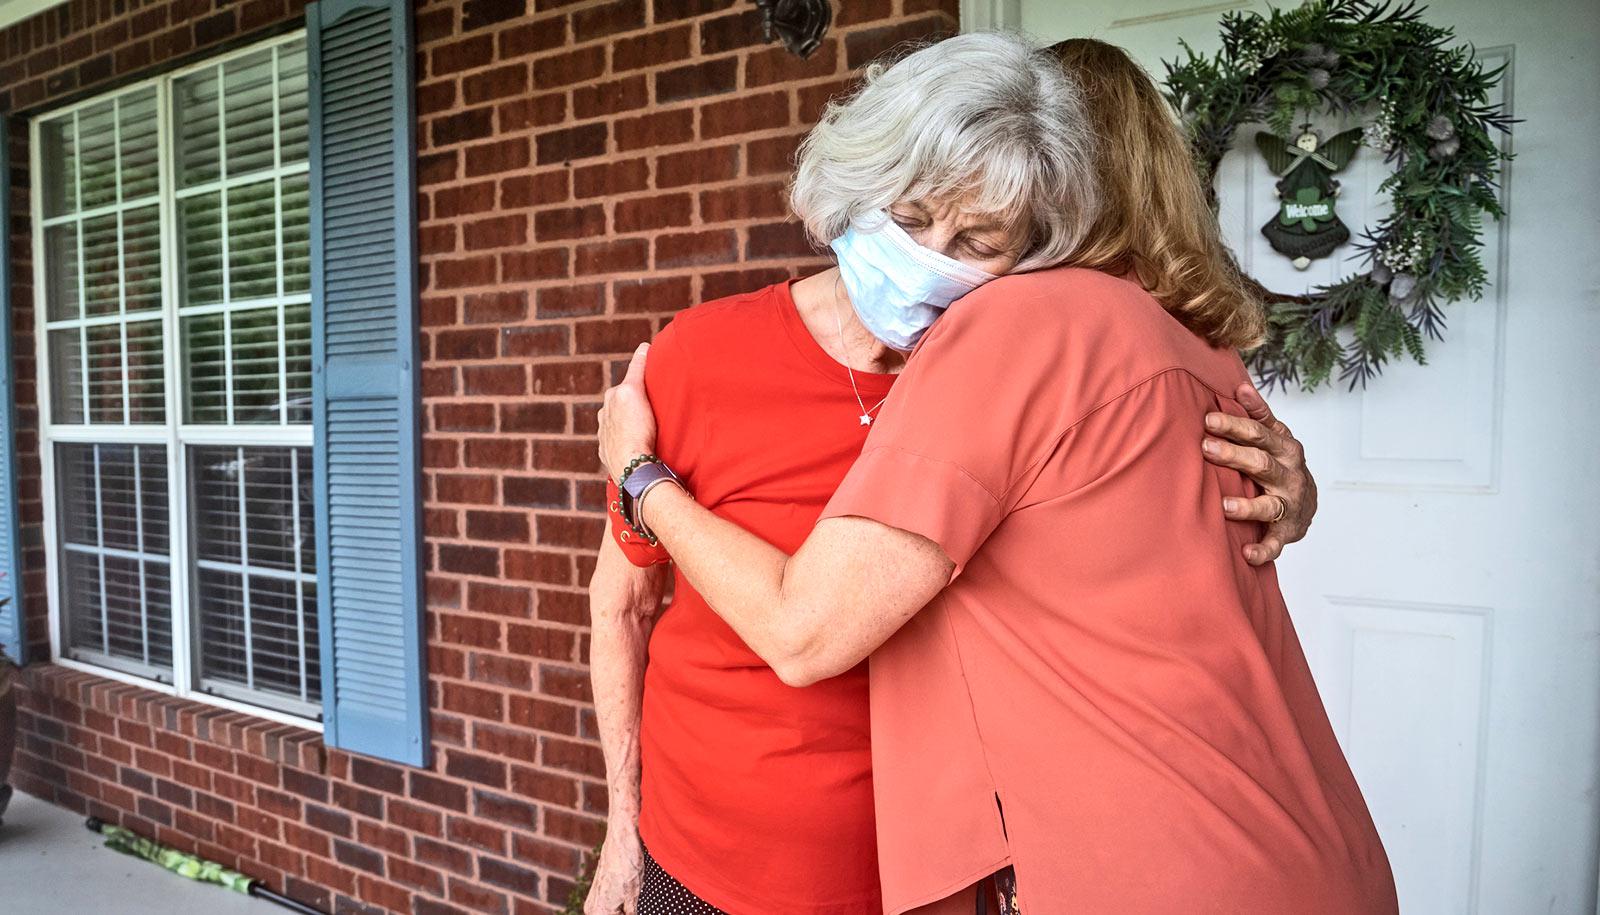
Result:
[{"x": 963, "y": 161}]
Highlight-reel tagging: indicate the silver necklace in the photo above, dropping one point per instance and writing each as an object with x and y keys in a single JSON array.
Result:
[{"x": 866, "y": 414}]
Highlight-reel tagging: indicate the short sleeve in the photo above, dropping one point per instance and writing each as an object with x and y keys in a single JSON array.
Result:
[{"x": 971, "y": 412}]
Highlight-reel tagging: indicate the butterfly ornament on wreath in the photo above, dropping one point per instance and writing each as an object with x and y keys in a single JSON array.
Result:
[{"x": 1306, "y": 226}]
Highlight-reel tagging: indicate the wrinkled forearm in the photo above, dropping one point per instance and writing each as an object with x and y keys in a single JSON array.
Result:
[{"x": 624, "y": 601}]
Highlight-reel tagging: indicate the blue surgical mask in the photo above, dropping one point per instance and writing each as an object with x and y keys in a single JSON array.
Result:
[{"x": 897, "y": 287}]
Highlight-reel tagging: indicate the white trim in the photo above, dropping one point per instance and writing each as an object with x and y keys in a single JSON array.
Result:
[
  {"x": 14, "y": 11},
  {"x": 175, "y": 435},
  {"x": 984, "y": 15},
  {"x": 232, "y": 705}
]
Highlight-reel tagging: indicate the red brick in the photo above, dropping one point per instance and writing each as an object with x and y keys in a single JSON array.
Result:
[
  {"x": 607, "y": 19},
  {"x": 581, "y": 758},
  {"x": 464, "y": 200},
  {"x": 465, "y": 54},
  {"x": 571, "y": 143},
  {"x": 609, "y": 179},
  {"x": 498, "y": 83},
  {"x": 618, "y": 95},
  {"x": 611, "y": 337},
  {"x": 729, "y": 33},
  {"x": 864, "y": 46},
  {"x": 717, "y": 285},
  {"x": 496, "y": 157},
  {"x": 572, "y": 67},
  {"x": 504, "y": 527},
  {"x": 782, "y": 239},
  {"x": 744, "y": 115},
  {"x": 773, "y": 154},
  {"x": 615, "y": 256},
  {"x": 466, "y": 344},
  {"x": 573, "y": 222},
  {"x": 660, "y": 128},
  {"x": 642, "y": 214},
  {"x": 563, "y": 378},
  {"x": 777, "y": 65},
  {"x": 539, "y": 35},
  {"x": 473, "y": 768},
  {"x": 494, "y": 379},
  {"x": 542, "y": 641},
  {"x": 463, "y": 126},
  {"x": 692, "y": 248},
  {"x": 471, "y": 489},
  {"x": 537, "y": 492},
  {"x": 473, "y": 701},
  {"x": 697, "y": 80},
  {"x": 495, "y": 232},
  {"x": 494, "y": 307},
  {"x": 476, "y": 14},
  {"x": 465, "y": 271},
  {"x": 468, "y": 560},
  {"x": 858, "y": 11},
  {"x": 697, "y": 166},
  {"x": 535, "y": 111},
  {"x": 509, "y": 454},
  {"x": 655, "y": 47},
  {"x": 743, "y": 201},
  {"x": 546, "y": 568},
  {"x": 538, "y": 264},
  {"x": 538, "y": 189},
  {"x": 533, "y": 417},
  {"x": 653, "y": 294},
  {"x": 434, "y": 98},
  {"x": 570, "y": 301},
  {"x": 813, "y": 99},
  {"x": 522, "y": 342}
]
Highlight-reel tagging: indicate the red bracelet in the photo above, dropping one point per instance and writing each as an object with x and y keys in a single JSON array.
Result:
[{"x": 637, "y": 549}]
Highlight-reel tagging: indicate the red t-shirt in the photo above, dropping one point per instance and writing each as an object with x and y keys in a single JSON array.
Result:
[{"x": 757, "y": 796}]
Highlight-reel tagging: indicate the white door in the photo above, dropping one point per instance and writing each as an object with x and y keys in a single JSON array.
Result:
[{"x": 1449, "y": 594}]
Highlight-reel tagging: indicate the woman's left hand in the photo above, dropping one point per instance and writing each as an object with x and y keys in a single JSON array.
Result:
[
  {"x": 1262, "y": 448},
  {"x": 627, "y": 423}
]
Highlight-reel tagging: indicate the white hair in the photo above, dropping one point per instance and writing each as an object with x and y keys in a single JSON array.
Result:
[{"x": 986, "y": 115}]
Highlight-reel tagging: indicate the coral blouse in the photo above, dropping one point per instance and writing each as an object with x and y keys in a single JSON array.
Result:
[{"x": 1107, "y": 696}]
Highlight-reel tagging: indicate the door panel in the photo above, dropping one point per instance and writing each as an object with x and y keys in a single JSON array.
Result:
[{"x": 1449, "y": 594}]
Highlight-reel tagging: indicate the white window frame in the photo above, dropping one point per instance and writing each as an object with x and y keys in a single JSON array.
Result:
[{"x": 174, "y": 434}]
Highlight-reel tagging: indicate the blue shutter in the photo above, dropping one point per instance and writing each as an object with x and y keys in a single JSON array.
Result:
[
  {"x": 365, "y": 378},
  {"x": 12, "y": 640}
]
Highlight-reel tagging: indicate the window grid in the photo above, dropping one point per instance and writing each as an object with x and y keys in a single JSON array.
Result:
[{"x": 176, "y": 437}]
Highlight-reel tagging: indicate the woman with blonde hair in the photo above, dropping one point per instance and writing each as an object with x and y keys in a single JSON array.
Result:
[{"x": 1084, "y": 691}]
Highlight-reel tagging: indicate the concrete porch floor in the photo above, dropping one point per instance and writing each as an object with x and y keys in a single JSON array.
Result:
[{"x": 51, "y": 865}]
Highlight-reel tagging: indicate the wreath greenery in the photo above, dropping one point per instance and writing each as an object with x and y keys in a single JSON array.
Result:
[{"x": 1432, "y": 120}]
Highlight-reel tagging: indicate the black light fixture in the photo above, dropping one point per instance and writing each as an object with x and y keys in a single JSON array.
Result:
[{"x": 799, "y": 23}]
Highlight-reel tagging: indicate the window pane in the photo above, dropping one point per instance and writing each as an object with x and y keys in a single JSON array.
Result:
[
  {"x": 256, "y": 573},
  {"x": 248, "y": 110},
  {"x": 58, "y": 155},
  {"x": 296, "y": 234},
  {"x": 195, "y": 123},
  {"x": 292, "y": 102},
  {"x": 115, "y": 571},
  {"x": 105, "y": 373},
  {"x": 297, "y": 359},
  {"x": 255, "y": 367},
  {"x": 141, "y": 259},
  {"x": 206, "y": 360},
  {"x": 200, "y": 231},
  {"x": 147, "y": 387},
  {"x": 252, "y": 242},
  {"x": 101, "y": 287},
  {"x": 136, "y": 118},
  {"x": 61, "y": 272},
  {"x": 97, "y": 177},
  {"x": 66, "y": 376}
]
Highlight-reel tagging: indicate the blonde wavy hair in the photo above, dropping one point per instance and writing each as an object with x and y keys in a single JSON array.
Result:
[{"x": 1154, "y": 218}]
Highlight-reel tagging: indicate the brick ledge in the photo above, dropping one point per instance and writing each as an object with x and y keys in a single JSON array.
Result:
[{"x": 286, "y": 744}]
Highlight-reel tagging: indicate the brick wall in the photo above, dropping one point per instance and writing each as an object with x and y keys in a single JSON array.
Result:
[{"x": 586, "y": 169}]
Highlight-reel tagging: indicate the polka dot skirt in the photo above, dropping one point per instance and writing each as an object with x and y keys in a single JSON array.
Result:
[{"x": 660, "y": 894}]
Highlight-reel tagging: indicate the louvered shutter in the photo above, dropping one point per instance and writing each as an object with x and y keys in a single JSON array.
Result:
[
  {"x": 365, "y": 391},
  {"x": 11, "y": 635}
]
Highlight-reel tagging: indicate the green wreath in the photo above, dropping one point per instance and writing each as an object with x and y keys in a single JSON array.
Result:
[{"x": 1433, "y": 122}]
